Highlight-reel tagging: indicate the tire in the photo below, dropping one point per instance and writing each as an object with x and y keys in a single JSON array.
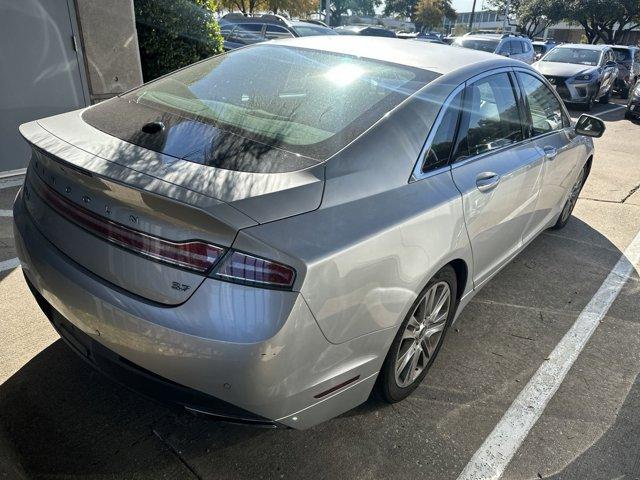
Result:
[
  {"x": 567, "y": 209},
  {"x": 589, "y": 105},
  {"x": 605, "y": 98},
  {"x": 624, "y": 93},
  {"x": 394, "y": 385},
  {"x": 628, "y": 115}
]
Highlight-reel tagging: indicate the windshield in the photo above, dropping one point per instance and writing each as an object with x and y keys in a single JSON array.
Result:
[
  {"x": 581, "y": 56},
  {"x": 305, "y": 101},
  {"x": 311, "y": 30},
  {"x": 622, "y": 54},
  {"x": 486, "y": 45}
]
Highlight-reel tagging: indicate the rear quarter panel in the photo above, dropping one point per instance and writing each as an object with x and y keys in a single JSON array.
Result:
[{"x": 377, "y": 238}]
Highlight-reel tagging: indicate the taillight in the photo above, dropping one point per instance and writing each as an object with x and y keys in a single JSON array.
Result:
[
  {"x": 193, "y": 254},
  {"x": 245, "y": 268}
]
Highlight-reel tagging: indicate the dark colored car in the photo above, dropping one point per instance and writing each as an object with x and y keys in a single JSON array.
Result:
[
  {"x": 633, "y": 105},
  {"x": 240, "y": 31},
  {"x": 628, "y": 60},
  {"x": 366, "y": 30}
]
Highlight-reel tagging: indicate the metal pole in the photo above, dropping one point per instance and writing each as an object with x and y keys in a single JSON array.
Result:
[
  {"x": 473, "y": 12},
  {"x": 505, "y": 22},
  {"x": 327, "y": 12}
]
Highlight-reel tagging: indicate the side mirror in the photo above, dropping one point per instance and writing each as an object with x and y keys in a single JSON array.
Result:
[{"x": 589, "y": 126}]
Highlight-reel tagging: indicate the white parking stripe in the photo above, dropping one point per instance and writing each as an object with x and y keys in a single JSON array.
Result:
[
  {"x": 6, "y": 213},
  {"x": 493, "y": 456},
  {"x": 609, "y": 110},
  {"x": 9, "y": 264}
]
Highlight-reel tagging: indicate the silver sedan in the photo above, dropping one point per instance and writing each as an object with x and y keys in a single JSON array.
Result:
[{"x": 269, "y": 235}]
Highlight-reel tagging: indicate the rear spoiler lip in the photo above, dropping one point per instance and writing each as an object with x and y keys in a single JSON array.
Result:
[{"x": 87, "y": 163}]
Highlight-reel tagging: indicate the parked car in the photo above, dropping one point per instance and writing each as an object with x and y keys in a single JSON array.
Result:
[
  {"x": 633, "y": 105},
  {"x": 449, "y": 39},
  {"x": 269, "y": 234},
  {"x": 628, "y": 60},
  {"x": 366, "y": 30},
  {"x": 542, "y": 47},
  {"x": 508, "y": 45},
  {"x": 239, "y": 31},
  {"x": 581, "y": 74}
]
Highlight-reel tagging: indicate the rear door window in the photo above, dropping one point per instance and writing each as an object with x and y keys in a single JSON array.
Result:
[
  {"x": 439, "y": 152},
  {"x": 491, "y": 118},
  {"x": 274, "y": 32},
  {"x": 248, "y": 33}
]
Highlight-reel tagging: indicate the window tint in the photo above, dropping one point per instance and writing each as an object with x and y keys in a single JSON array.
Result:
[
  {"x": 442, "y": 142},
  {"x": 505, "y": 48},
  {"x": 491, "y": 117},
  {"x": 516, "y": 47},
  {"x": 248, "y": 33},
  {"x": 546, "y": 112},
  {"x": 526, "y": 46},
  {"x": 273, "y": 32}
]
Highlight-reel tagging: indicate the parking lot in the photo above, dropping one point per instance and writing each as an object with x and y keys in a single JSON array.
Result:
[{"x": 61, "y": 419}]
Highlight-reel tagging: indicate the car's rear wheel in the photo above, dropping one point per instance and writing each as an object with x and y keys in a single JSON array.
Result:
[
  {"x": 605, "y": 98},
  {"x": 624, "y": 93},
  {"x": 569, "y": 205},
  {"x": 419, "y": 338}
]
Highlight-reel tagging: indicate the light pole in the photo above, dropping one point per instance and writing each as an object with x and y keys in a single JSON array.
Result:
[{"x": 473, "y": 12}]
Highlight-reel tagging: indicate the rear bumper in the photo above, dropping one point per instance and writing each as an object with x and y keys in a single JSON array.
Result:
[{"x": 279, "y": 379}]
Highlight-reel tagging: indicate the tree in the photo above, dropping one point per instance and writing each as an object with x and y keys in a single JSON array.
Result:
[
  {"x": 533, "y": 16},
  {"x": 430, "y": 13},
  {"x": 353, "y": 7},
  {"x": 424, "y": 13},
  {"x": 295, "y": 8},
  {"x": 245, "y": 6},
  {"x": 609, "y": 22},
  {"x": 175, "y": 33}
]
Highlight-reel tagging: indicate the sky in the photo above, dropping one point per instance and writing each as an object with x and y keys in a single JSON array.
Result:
[{"x": 462, "y": 5}]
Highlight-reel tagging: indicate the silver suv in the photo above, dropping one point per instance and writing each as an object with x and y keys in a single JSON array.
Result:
[{"x": 506, "y": 44}]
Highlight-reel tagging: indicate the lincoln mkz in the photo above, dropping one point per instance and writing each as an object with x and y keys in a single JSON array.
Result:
[{"x": 272, "y": 234}]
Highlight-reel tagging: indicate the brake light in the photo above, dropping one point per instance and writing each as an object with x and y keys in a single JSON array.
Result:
[
  {"x": 245, "y": 268},
  {"x": 193, "y": 255}
]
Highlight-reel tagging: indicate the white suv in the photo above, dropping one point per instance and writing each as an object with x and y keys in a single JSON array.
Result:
[{"x": 506, "y": 44}]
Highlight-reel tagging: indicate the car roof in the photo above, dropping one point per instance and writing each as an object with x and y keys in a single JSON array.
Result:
[
  {"x": 584, "y": 46},
  {"x": 427, "y": 56}
]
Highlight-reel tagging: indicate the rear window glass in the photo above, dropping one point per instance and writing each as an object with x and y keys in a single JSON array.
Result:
[
  {"x": 304, "y": 101},
  {"x": 477, "y": 44},
  {"x": 622, "y": 54}
]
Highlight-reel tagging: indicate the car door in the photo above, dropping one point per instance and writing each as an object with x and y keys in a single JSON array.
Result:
[
  {"x": 550, "y": 131},
  {"x": 609, "y": 71},
  {"x": 496, "y": 171}
]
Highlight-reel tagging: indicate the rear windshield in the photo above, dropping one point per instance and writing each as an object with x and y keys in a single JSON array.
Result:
[
  {"x": 477, "y": 44},
  {"x": 581, "y": 56},
  {"x": 304, "y": 101},
  {"x": 622, "y": 54}
]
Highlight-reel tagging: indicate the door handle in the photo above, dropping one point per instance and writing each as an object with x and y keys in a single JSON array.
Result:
[
  {"x": 486, "y": 181},
  {"x": 550, "y": 152}
]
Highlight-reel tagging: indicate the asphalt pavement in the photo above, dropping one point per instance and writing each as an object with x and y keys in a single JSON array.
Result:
[{"x": 61, "y": 419}]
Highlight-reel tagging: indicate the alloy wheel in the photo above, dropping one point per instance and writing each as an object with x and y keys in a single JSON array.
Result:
[
  {"x": 422, "y": 334},
  {"x": 573, "y": 198}
]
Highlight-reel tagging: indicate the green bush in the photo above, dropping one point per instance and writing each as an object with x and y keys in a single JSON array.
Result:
[{"x": 175, "y": 33}]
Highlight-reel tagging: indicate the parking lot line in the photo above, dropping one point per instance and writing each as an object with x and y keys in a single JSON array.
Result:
[
  {"x": 11, "y": 182},
  {"x": 6, "y": 213},
  {"x": 609, "y": 110},
  {"x": 493, "y": 456},
  {"x": 9, "y": 264}
]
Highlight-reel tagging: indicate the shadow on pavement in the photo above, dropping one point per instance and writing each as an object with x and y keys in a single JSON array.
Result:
[{"x": 62, "y": 419}]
